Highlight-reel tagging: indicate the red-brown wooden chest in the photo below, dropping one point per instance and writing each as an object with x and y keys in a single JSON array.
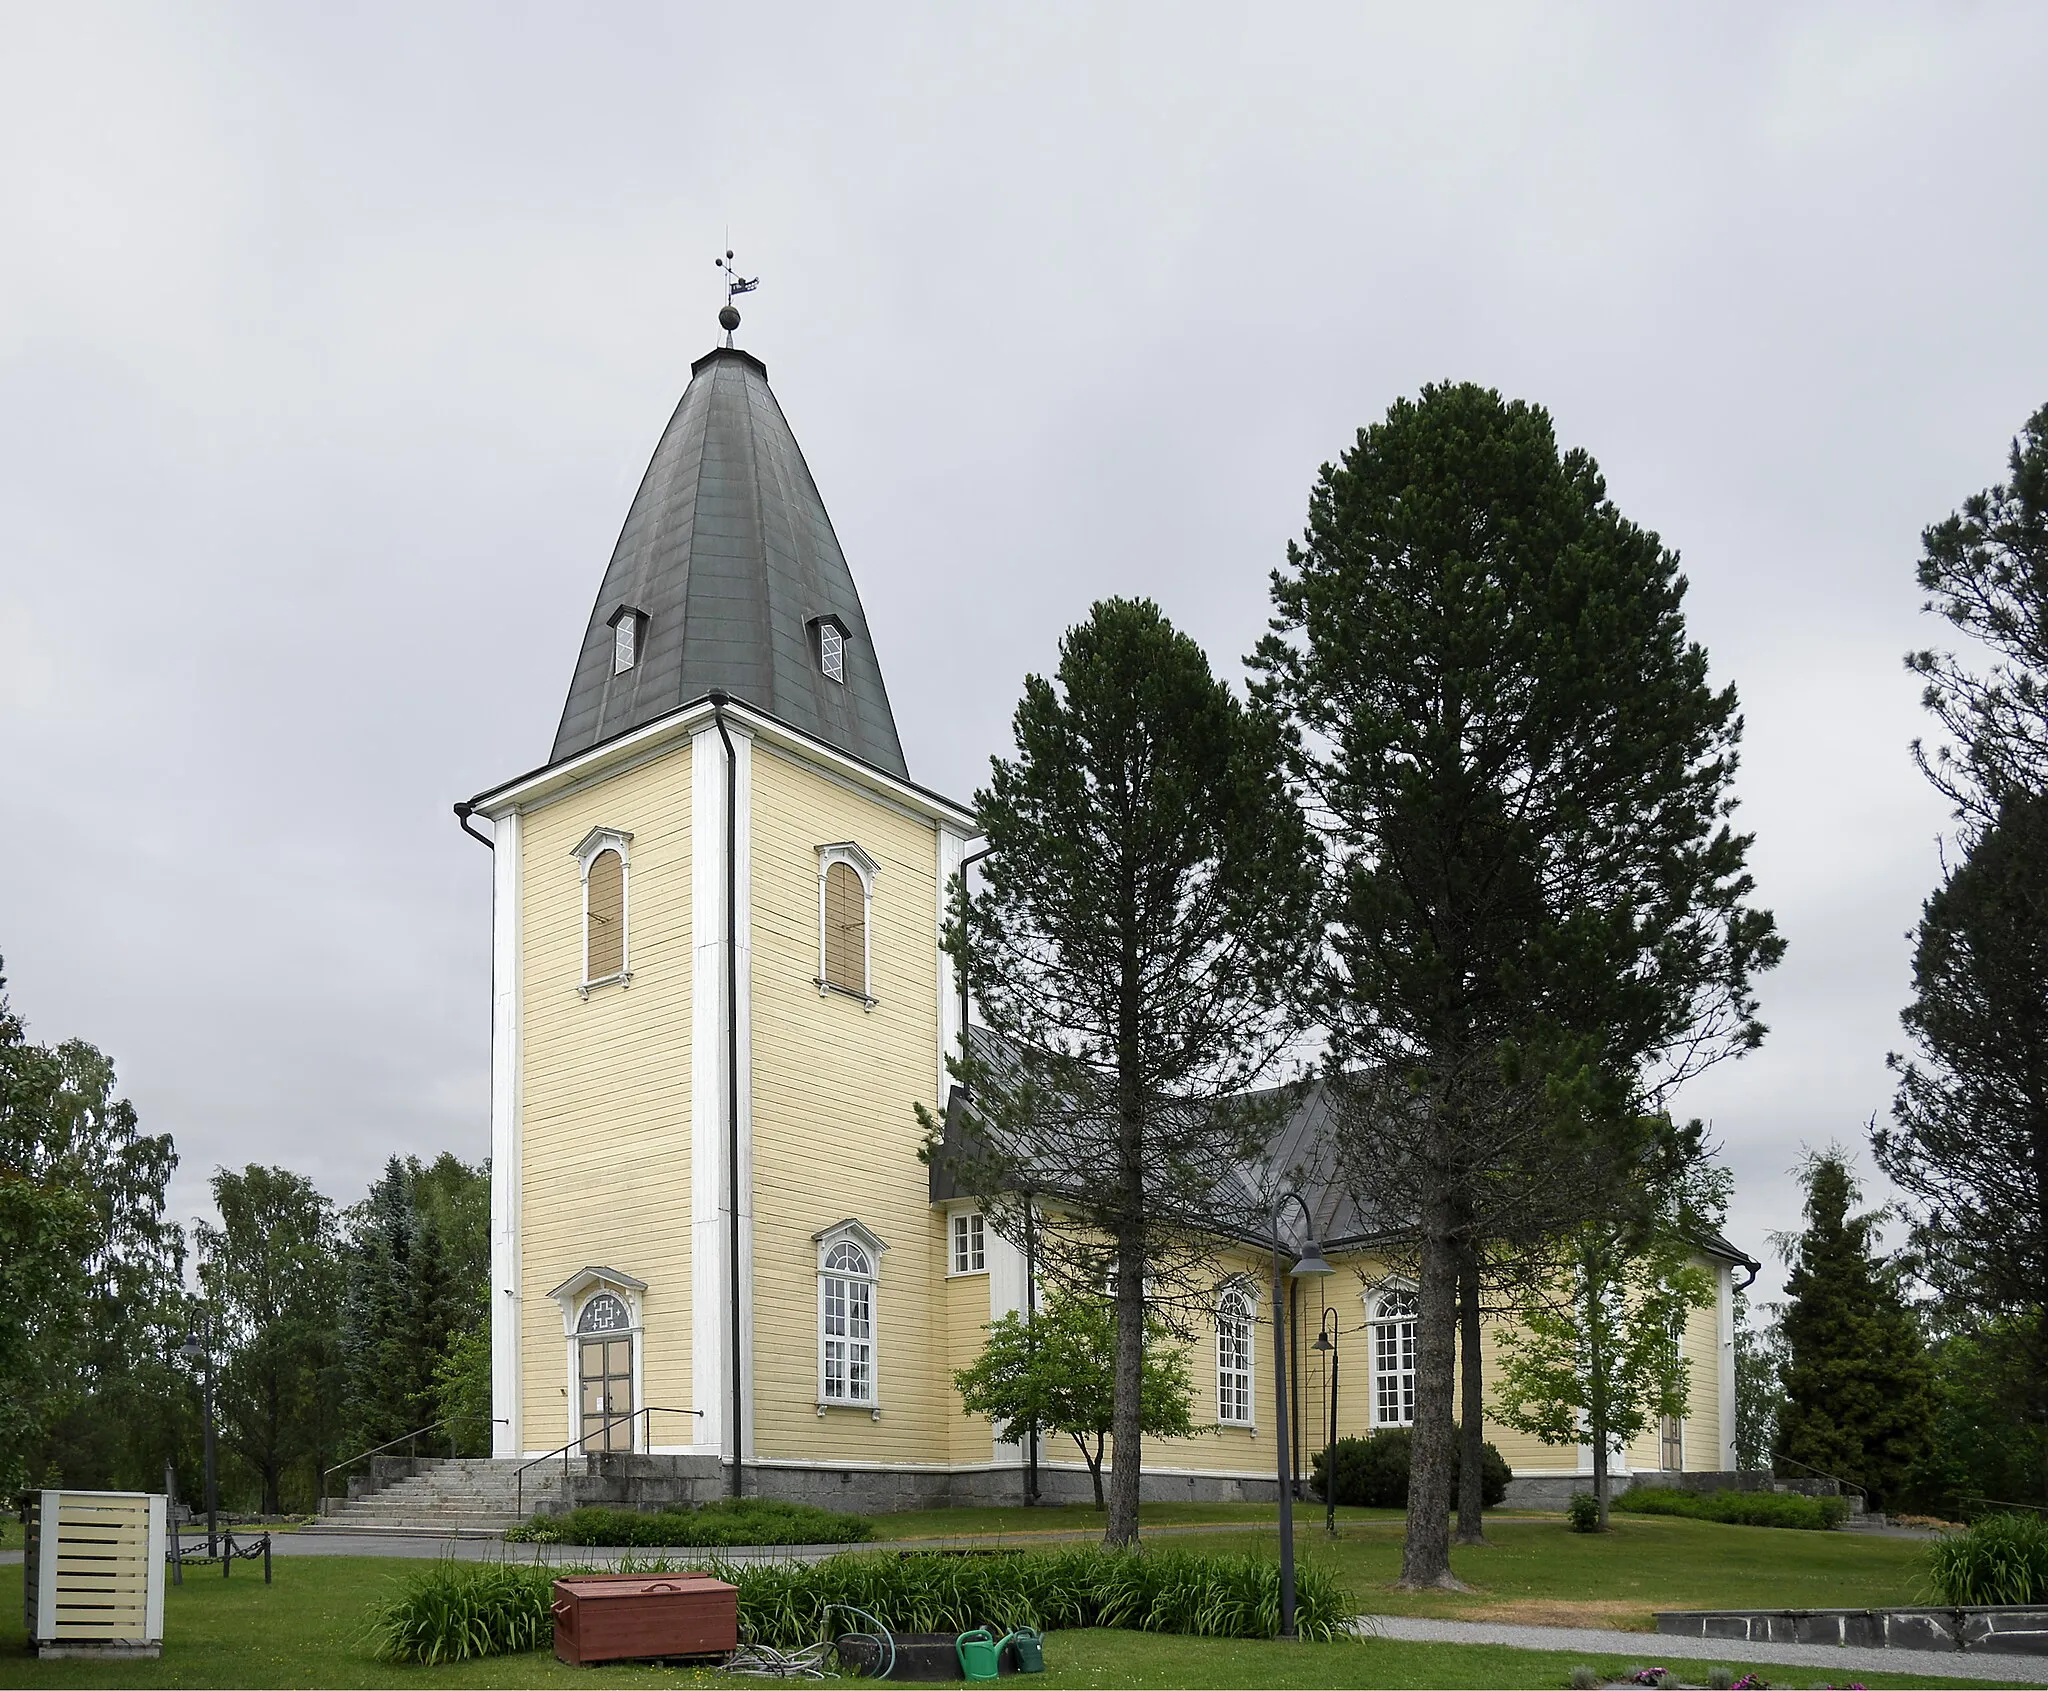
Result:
[{"x": 614, "y": 1617}]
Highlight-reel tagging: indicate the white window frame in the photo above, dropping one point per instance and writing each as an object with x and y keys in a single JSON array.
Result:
[
  {"x": 829, "y": 640},
  {"x": 1236, "y": 1308},
  {"x": 851, "y": 1233},
  {"x": 966, "y": 1244},
  {"x": 629, "y": 630},
  {"x": 594, "y": 843},
  {"x": 1378, "y": 1326},
  {"x": 866, "y": 868}
]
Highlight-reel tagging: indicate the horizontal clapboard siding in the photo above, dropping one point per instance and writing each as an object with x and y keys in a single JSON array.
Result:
[
  {"x": 605, "y": 1134},
  {"x": 834, "y": 1132}
]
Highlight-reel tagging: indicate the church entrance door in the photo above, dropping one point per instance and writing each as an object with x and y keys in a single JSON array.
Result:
[{"x": 607, "y": 1380}]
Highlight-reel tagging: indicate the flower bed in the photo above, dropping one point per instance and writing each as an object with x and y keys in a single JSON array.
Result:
[{"x": 454, "y": 1610}]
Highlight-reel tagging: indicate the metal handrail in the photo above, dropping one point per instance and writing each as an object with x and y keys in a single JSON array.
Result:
[
  {"x": 650, "y": 1410},
  {"x": 2003, "y": 1503},
  {"x": 403, "y": 1438},
  {"x": 1847, "y": 1485}
]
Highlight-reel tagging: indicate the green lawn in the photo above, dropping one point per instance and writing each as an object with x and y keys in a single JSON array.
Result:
[
  {"x": 307, "y": 1630},
  {"x": 1535, "y": 1568}
]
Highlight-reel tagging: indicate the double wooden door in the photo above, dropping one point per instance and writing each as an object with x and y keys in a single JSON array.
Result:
[{"x": 606, "y": 1374}]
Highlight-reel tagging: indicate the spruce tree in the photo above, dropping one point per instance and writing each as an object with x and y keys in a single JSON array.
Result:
[
  {"x": 1147, "y": 904},
  {"x": 1858, "y": 1389},
  {"x": 1539, "y": 917}
]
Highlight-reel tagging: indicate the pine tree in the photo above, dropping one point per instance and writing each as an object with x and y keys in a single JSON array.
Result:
[
  {"x": 1146, "y": 906},
  {"x": 1539, "y": 916},
  {"x": 1985, "y": 569},
  {"x": 1858, "y": 1392},
  {"x": 1968, "y": 1143}
]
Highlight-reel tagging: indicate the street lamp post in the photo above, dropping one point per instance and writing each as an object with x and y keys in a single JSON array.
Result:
[
  {"x": 194, "y": 1351},
  {"x": 1326, "y": 1342},
  {"x": 1310, "y": 1266}
]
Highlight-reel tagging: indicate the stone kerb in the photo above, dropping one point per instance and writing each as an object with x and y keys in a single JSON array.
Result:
[{"x": 1993, "y": 1631}]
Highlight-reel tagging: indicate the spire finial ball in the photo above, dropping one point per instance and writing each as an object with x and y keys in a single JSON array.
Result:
[{"x": 728, "y": 318}]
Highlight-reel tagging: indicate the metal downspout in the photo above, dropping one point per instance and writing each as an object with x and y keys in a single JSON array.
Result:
[{"x": 719, "y": 700}]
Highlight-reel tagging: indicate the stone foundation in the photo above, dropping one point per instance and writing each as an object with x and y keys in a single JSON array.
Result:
[{"x": 622, "y": 1481}]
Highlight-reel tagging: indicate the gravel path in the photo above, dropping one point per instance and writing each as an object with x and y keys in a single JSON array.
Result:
[{"x": 1646, "y": 1649}]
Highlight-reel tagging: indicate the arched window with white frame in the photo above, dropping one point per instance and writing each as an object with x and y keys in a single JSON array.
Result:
[
  {"x": 1234, "y": 1358},
  {"x": 849, "y": 1258},
  {"x": 602, "y": 860},
  {"x": 846, "y": 890},
  {"x": 1390, "y": 1318}
]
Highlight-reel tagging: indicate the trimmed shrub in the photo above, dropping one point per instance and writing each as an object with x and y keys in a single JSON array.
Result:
[
  {"x": 458, "y": 1610},
  {"x": 1997, "y": 1559},
  {"x": 1582, "y": 1513},
  {"x": 720, "y": 1525},
  {"x": 1372, "y": 1472},
  {"x": 1738, "y": 1508}
]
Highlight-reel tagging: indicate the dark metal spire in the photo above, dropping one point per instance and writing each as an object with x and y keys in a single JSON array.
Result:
[{"x": 728, "y": 575}]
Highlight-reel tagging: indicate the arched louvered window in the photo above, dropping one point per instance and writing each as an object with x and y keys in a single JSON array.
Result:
[
  {"x": 602, "y": 856},
  {"x": 604, "y": 916},
  {"x": 1392, "y": 1323},
  {"x": 845, "y": 878},
  {"x": 1234, "y": 1359}
]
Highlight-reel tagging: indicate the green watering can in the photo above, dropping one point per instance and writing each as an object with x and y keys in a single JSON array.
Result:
[{"x": 981, "y": 1652}]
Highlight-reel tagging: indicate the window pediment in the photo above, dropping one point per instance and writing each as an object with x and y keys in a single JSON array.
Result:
[
  {"x": 847, "y": 1231},
  {"x": 601, "y": 839}
]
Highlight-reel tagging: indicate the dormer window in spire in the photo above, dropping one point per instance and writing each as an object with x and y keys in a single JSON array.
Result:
[
  {"x": 828, "y": 646},
  {"x": 629, "y": 625}
]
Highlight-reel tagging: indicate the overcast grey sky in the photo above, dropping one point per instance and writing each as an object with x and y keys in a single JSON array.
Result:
[{"x": 333, "y": 342}]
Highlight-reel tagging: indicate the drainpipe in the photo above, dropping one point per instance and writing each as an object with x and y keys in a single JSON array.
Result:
[
  {"x": 719, "y": 700},
  {"x": 966, "y": 863},
  {"x": 462, "y": 814}
]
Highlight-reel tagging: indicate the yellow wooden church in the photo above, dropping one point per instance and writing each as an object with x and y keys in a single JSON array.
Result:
[{"x": 718, "y": 990}]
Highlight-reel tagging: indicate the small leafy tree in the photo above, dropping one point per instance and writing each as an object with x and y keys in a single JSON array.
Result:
[
  {"x": 271, "y": 1282},
  {"x": 90, "y": 1272},
  {"x": 1759, "y": 1384},
  {"x": 1607, "y": 1365},
  {"x": 1859, "y": 1401},
  {"x": 1055, "y": 1373}
]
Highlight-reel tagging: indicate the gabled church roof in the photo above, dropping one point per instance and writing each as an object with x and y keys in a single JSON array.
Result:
[{"x": 730, "y": 560}]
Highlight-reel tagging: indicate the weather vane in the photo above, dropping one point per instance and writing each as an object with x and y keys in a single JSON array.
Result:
[{"x": 735, "y": 285}]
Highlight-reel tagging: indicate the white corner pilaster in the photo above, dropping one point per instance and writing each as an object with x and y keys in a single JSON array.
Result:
[
  {"x": 711, "y": 1218},
  {"x": 507, "y": 1412},
  {"x": 1006, "y": 1289}
]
